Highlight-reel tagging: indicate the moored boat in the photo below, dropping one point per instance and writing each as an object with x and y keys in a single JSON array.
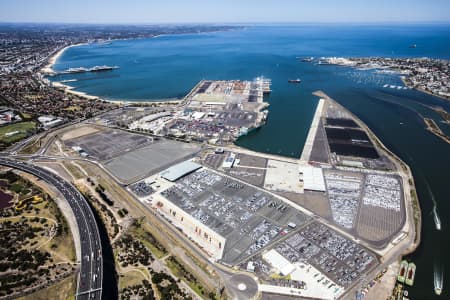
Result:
[
  {"x": 402, "y": 272},
  {"x": 409, "y": 280}
]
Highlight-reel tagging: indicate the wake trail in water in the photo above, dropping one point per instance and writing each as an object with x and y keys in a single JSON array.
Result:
[
  {"x": 437, "y": 219},
  {"x": 438, "y": 279}
]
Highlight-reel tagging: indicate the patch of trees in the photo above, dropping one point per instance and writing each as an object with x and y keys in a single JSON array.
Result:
[
  {"x": 150, "y": 238},
  {"x": 133, "y": 252},
  {"x": 143, "y": 291},
  {"x": 101, "y": 191},
  {"x": 167, "y": 286}
]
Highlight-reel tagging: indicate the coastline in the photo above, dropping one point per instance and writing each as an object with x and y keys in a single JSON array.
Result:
[
  {"x": 48, "y": 68},
  {"x": 406, "y": 83},
  {"x": 70, "y": 90}
]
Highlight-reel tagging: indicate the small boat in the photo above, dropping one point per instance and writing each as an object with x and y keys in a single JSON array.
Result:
[
  {"x": 307, "y": 59},
  {"x": 438, "y": 281},
  {"x": 437, "y": 220},
  {"x": 413, "y": 46},
  {"x": 294, "y": 80}
]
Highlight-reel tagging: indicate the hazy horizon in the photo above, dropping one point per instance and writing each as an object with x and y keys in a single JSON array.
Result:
[{"x": 140, "y": 12}]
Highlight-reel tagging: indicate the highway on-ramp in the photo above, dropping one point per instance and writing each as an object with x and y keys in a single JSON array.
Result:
[{"x": 91, "y": 265}]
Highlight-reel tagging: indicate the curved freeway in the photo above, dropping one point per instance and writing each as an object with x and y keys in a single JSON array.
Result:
[{"x": 91, "y": 266}]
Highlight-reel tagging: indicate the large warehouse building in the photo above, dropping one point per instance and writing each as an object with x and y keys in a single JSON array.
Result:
[
  {"x": 208, "y": 240},
  {"x": 179, "y": 170},
  {"x": 312, "y": 178}
]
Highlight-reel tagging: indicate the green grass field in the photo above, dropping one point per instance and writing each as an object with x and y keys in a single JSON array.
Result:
[{"x": 23, "y": 128}]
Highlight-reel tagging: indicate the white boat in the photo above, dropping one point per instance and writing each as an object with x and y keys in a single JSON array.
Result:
[
  {"x": 438, "y": 280},
  {"x": 437, "y": 220}
]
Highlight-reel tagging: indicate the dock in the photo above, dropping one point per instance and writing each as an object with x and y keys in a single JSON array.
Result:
[{"x": 307, "y": 149}]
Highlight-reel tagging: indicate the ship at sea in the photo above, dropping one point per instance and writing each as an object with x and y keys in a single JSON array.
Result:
[
  {"x": 298, "y": 80},
  {"x": 437, "y": 220},
  {"x": 76, "y": 70},
  {"x": 324, "y": 61},
  {"x": 102, "y": 68},
  {"x": 438, "y": 281},
  {"x": 409, "y": 280},
  {"x": 84, "y": 70},
  {"x": 306, "y": 59},
  {"x": 402, "y": 272}
]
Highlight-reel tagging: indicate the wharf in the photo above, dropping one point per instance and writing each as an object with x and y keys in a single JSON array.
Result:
[{"x": 307, "y": 149}]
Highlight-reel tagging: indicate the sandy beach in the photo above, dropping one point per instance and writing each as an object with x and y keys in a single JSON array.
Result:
[
  {"x": 48, "y": 69},
  {"x": 69, "y": 89}
]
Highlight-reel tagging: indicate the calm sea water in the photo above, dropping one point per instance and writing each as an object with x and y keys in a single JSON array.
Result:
[{"x": 169, "y": 66}]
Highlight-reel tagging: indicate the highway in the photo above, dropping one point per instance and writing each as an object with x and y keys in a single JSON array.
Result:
[{"x": 90, "y": 277}]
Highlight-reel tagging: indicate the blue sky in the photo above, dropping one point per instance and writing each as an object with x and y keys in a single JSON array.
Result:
[{"x": 224, "y": 11}]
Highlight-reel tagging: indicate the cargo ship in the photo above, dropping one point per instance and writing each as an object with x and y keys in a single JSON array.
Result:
[
  {"x": 294, "y": 80},
  {"x": 93, "y": 69},
  {"x": 76, "y": 70},
  {"x": 402, "y": 272},
  {"x": 410, "y": 274},
  {"x": 102, "y": 68}
]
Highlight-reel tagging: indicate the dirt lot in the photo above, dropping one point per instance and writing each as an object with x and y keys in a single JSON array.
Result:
[{"x": 78, "y": 132}]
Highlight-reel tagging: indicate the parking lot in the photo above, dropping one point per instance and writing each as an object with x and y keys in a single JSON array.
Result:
[
  {"x": 249, "y": 219},
  {"x": 152, "y": 158},
  {"x": 107, "y": 144},
  {"x": 124, "y": 115},
  {"x": 344, "y": 194},
  {"x": 248, "y": 168},
  {"x": 382, "y": 212},
  {"x": 337, "y": 257},
  {"x": 142, "y": 188}
]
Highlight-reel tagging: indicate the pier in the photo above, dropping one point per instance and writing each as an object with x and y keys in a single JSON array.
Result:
[{"x": 307, "y": 149}]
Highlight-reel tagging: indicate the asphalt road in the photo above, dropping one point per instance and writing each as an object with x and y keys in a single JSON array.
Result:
[{"x": 91, "y": 266}]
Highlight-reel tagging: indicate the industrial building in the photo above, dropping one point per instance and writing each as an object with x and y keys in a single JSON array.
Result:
[
  {"x": 312, "y": 178},
  {"x": 207, "y": 239},
  {"x": 179, "y": 170},
  {"x": 227, "y": 219},
  {"x": 280, "y": 263}
]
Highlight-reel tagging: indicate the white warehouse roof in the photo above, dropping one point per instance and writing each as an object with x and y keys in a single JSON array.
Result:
[
  {"x": 179, "y": 170},
  {"x": 312, "y": 178},
  {"x": 279, "y": 262}
]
